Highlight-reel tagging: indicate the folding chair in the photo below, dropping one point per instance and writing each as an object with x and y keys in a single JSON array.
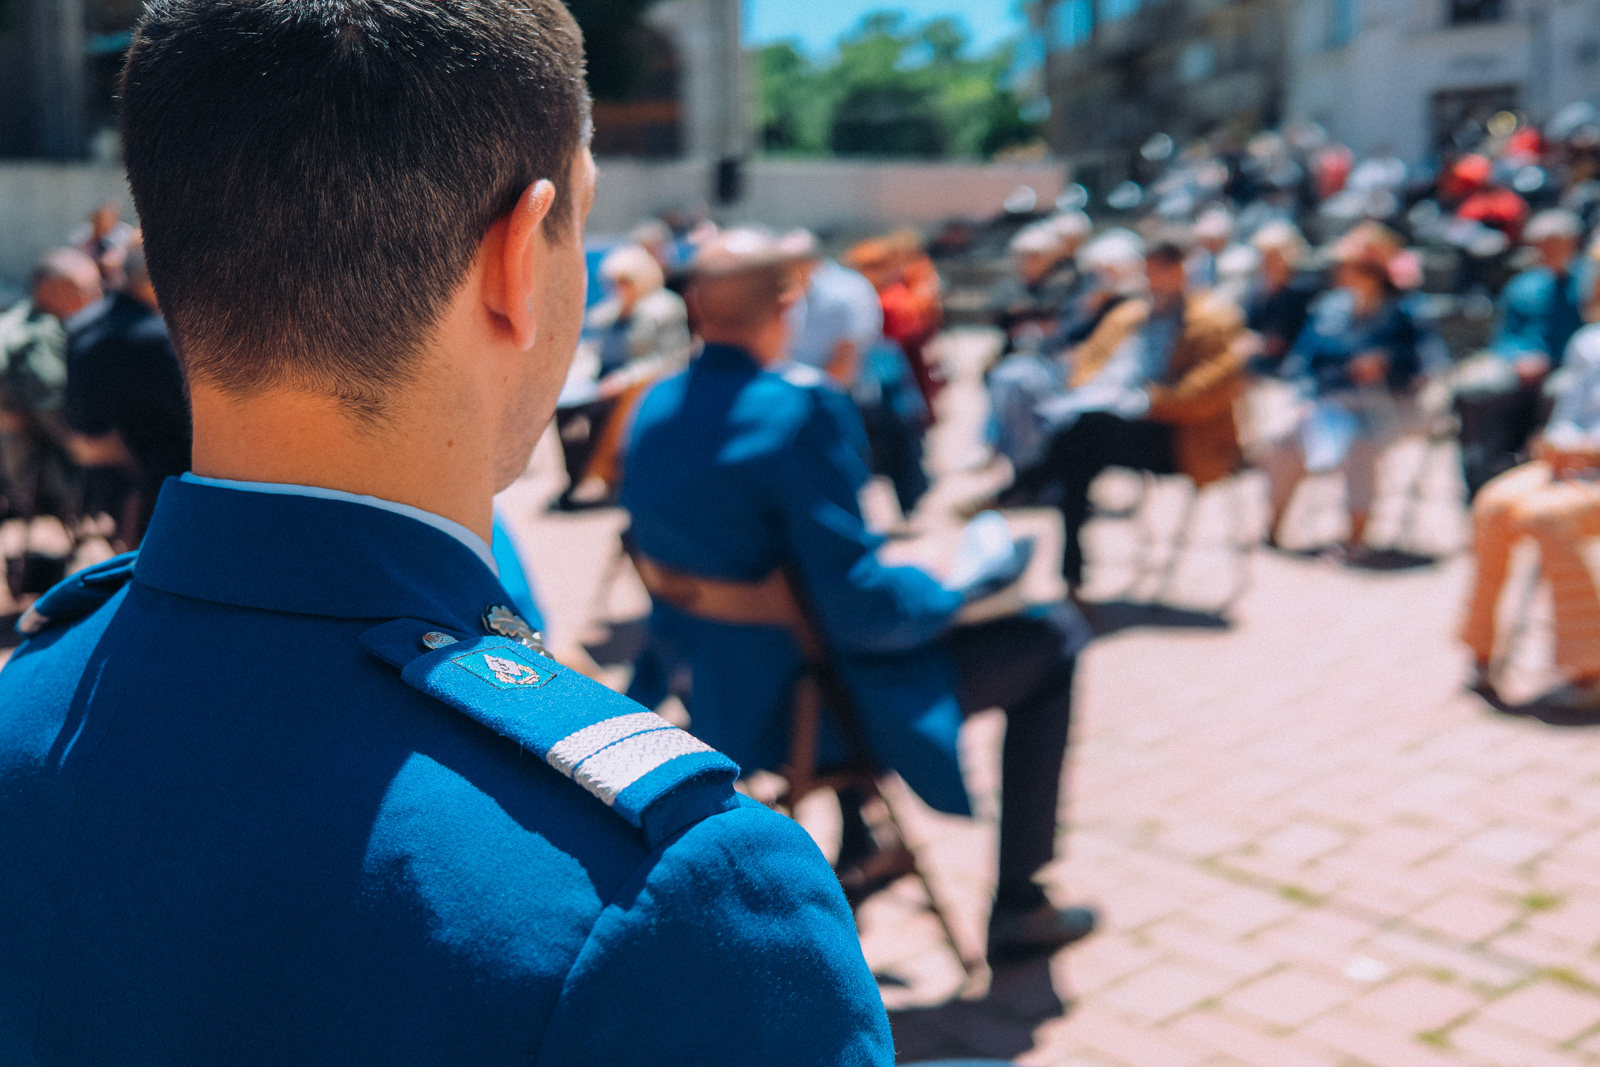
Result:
[
  {"x": 818, "y": 691},
  {"x": 1148, "y": 564}
]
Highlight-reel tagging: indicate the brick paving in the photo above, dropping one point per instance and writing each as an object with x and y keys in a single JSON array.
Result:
[{"x": 1310, "y": 846}]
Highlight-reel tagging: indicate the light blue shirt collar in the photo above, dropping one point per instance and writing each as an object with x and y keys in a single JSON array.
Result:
[{"x": 479, "y": 547}]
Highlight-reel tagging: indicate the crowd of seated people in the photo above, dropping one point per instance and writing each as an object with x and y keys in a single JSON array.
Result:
[
  {"x": 1354, "y": 317},
  {"x": 1128, "y": 338},
  {"x": 737, "y": 389},
  {"x": 1152, "y": 388},
  {"x": 93, "y": 415},
  {"x": 745, "y": 470}
]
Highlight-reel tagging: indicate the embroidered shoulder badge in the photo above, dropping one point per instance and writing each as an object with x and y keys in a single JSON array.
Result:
[{"x": 505, "y": 668}]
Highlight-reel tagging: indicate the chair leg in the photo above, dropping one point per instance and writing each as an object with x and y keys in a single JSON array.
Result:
[
  {"x": 1180, "y": 544},
  {"x": 1144, "y": 540},
  {"x": 936, "y": 905},
  {"x": 801, "y": 772},
  {"x": 1244, "y": 543}
]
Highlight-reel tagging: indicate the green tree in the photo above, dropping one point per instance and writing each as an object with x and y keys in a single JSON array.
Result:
[
  {"x": 795, "y": 104},
  {"x": 893, "y": 89}
]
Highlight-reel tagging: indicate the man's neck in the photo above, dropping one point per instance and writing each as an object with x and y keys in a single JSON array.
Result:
[
  {"x": 1164, "y": 304},
  {"x": 298, "y": 438},
  {"x": 761, "y": 349}
]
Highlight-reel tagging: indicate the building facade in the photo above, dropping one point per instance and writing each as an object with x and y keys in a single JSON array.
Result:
[
  {"x": 1404, "y": 75},
  {"x": 1119, "y": 72},
  {"x": 58, "y": 67},
  {"x": 59, "y": 61}
]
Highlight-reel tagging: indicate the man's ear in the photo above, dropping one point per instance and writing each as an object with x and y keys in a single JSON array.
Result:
[{"x": 514, "y": 252}]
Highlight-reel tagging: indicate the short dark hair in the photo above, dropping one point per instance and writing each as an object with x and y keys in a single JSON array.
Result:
[
  {"x": 314, "y": 177},
  {"x": 1168, "y": 252}
]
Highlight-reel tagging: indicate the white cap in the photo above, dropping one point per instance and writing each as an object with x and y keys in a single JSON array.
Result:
[
  {"x": 1071, "y": 225},
  {"x": 1552, "y": 224},
  {"x": 1040, "y": 238},
  {"x": 1115, "y": 248},
  {"x": 1213, "y": 222},
  {"x": 801, "y": 244}
]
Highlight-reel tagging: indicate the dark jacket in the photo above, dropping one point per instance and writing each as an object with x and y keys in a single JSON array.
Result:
[{"x": 1335, "y": 336}]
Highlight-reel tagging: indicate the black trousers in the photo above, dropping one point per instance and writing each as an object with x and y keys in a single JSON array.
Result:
[
  {"x": 1024, "y": 665},
  {"x": 1076, "y": 456},
  {"x": 1495, "y": 428},
  {"x": 580, "y": 429}
]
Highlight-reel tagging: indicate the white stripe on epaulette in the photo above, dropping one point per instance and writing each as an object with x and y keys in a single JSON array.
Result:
[
  {"x": 609, "y": 756},
  {"x": 608, "y": 772},
  {"x": 567, "y": 753},
  {"x": 802, "y": 374}
]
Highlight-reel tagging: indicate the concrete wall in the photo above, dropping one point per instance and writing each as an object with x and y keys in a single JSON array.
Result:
[
  {"x": 40, "y": 203},
  {"x": 821, "y": 194}
]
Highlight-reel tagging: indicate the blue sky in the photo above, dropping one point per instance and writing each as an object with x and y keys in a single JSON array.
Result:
[{"x": 818, "y": 23}]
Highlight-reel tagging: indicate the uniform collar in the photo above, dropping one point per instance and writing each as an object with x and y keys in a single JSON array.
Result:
[
  {"x": 728, "y": 357},
  {"x": 478, "y": 545},
  {"x": 311, "y": 555}
]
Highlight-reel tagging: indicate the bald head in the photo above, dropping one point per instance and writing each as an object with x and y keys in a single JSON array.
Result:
[
  {"x": 65, "y": 282},
  {"x": 744, "y": 281},
  {"x": 137, "y": 271}
]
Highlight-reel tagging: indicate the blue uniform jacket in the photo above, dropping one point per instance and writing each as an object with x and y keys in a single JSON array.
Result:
[
  {"x": 732, "y": 472},
  {"x": 247, "y": 817},
  {"x": 1539, "y": 313}
]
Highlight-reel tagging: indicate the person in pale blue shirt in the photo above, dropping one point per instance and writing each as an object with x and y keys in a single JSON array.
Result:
[{"x": 838, "y": 319}]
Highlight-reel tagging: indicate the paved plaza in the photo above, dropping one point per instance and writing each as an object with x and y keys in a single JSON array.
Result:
[{"x": 1311, "y": 848}]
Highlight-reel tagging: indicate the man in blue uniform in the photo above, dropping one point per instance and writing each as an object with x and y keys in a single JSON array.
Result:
[
  {"x": 746, "y": 464},
  {"x": 295, "y": 785}
]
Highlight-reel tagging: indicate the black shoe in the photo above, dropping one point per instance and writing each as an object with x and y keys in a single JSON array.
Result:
[
  {"x": 1015, "y": 936},
  {"x": 1481, "y": 683},
  {"x": 1017, "y": 496}
]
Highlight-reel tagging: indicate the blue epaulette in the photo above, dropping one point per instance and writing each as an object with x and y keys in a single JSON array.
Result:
[
  {"x": 79, "y": 596},
  {"x": 657, "y": 777}
]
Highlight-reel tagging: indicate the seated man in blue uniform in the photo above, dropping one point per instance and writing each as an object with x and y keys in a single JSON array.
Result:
[
  {"x": 295, "y": 785},
  {"x": 746, "y": 464}
]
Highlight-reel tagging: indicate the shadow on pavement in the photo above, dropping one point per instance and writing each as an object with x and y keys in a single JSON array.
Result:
[
  {"x": 1000, "y": 1025},
  {"x": 1107, "y": 617},
  {"x": 1545, "y": 710},
  {"x": 1392, "y": 559}
]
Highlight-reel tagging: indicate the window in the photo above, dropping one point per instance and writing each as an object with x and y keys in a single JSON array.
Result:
[
  {"x": 1112, "y": 10},
  {"x": 1342, "y": 22},
  {"x": 1466, "y": 12},
  {"x": 1071, "y": 23}
]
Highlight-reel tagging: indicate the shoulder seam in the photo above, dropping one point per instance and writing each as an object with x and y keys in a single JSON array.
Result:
[{"x": 639, "y": 873}]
